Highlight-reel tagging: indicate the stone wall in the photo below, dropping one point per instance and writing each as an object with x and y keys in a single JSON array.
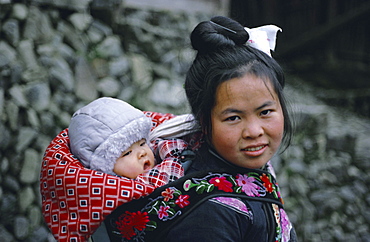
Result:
[{"x": 56, "y": 56}]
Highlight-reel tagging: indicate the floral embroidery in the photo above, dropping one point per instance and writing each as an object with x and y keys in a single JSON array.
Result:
[
  {"x": 162, "y": 212},
  {"x": 267, "y": 183},
  {"x": 129, "y": 222},
  {"x": 171, "y": 202},
  {"x": 286, "y": 226},
  {"x": 182, "y": 201},
  {"x": 247, "y": 184},
  {"x": 222, "y": 183},
  {"x": 167, "y": 194},
  {"x": 234, "y": 203}
]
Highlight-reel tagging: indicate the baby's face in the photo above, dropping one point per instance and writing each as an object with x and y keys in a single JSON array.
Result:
[{"x": 137, "y": 159}]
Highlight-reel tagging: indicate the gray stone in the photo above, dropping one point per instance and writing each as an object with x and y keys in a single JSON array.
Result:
[
  {"x": 27, "y": 54},
  {"x": 77, "y": 5},
  {"x": 47, "y": 122},
  {"x": 328, "y": 177},
  {"x": 33, "y": 119},
  {"x": 100, "y": 67},
  {"x": 347, "y": 193},
  {"x": 20, "y": 11},
  {"x": 8, "y": 208},
  {"x": 12, "y": 111},
  {"x": 38, "y": 95},
  {"x": 95, "y": 36},
  {"x": 46, "y": 50},
  {"x": 81, "y": 21},
  {"x": 37, "y": 74},
  {"x": 43, "y": 142},
  {"x": 163, "y": 92},
  {"x": 110, "y": 47},
  {"x": 17, "y": 94},
  {"x": 119, "y": 66},
  {"x": 141, "y": 71},
  {"x": 38, "y": 27},
  {"x": 66, "y": 52},
  {"x": 4, "y": 166},
  {"x": 300, "y": 185},
  {"x": 31, "y": 167},
  {"x": 21, "y": 227},
  {"x": 5, "y": 137},
  {"x": 104, "y": 29},
  {"x": 25, "y": 198},
  {"x": 40, "y": 234},
  {"x": 5, "y": 235},
  {"x": 85, "y": 81},
  {"x": 127, "y": 93},
  {"x": 7, "y": 54},
  {"x": 2, "y": 116},
  {"x": 109, "y": 87},
  {"x": 11, "y": 184},
  {"x": 63, "y": 77},
  {"x": 34, "y": 215},
  {"x": 25, "y": 136},
  {"x": 73, "y": 37},
  {"x": 105, "y": 4},
  {"x": 11, "y": 31}
]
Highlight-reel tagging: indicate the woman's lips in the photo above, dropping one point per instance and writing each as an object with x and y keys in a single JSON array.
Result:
[{"x": 254, "y": 150}]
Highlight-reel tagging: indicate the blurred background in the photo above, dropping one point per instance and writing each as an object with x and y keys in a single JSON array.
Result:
[{"x": 56, "y": 56}]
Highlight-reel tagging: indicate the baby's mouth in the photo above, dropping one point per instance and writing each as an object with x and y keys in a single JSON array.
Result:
[{"x": 147, "y": 165}]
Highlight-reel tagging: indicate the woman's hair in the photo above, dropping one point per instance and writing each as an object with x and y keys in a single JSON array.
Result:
[{"x": 222, "y": 55}]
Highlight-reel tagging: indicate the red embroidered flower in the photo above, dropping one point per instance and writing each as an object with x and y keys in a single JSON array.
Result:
[
  {"x": 267, "y": 183},
  {"x": 222, "y": 183},
  {"x": 182, "y": 201},
  {"x": 167, "y": 194},
  {"x": 162, "y": 212},
  {"x": 128, "y": 221}
]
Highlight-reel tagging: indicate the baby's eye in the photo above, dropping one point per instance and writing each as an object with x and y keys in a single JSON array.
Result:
[
  {"x": 143, "y": 143},
  {"x": 126, "y": 153}
]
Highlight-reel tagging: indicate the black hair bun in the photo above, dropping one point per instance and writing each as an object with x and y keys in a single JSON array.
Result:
[{"x": 217, "y": 33}]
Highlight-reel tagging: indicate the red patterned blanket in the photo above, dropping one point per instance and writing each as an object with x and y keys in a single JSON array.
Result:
[{"x": 75, "y": 200}]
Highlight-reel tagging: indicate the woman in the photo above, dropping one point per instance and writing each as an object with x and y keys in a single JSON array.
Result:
[{"x": 229, "y": 192}]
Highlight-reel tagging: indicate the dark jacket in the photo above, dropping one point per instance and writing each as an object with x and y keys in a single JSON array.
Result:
[{"x": 223, "y": 219}]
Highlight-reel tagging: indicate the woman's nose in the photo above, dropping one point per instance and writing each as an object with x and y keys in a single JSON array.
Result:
[{"x": 252, "y": 130}]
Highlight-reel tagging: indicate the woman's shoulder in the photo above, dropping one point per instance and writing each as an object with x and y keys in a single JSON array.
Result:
[{"x": 232, "y": 215}]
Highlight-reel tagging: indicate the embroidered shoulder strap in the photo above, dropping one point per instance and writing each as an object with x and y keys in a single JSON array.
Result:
[{"x": 152, "y": 216}]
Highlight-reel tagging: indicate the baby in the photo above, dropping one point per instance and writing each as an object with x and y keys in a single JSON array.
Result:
[{"x": 111, "y": 136}]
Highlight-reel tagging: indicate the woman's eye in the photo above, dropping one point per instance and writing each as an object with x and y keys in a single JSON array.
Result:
[
  {"x": 233, "y": 118},
  {"x": 265, "y": 112}
]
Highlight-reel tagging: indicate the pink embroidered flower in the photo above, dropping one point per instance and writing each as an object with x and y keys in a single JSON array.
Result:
[
  {"x": 187, "y": 185},
  {"x": 234, "y": 203},
  {"x": 247, "y": 185},
  {"x": 267, "y": 183},
  {"x": 222, "y": 183},
  {"x": 168, "y": 194},
  {"x": 286, "y": 226},
  {"x": 182, "y": 201},
  {"x": 162, "y": 212},
  {"x": 128, "y": 221}
]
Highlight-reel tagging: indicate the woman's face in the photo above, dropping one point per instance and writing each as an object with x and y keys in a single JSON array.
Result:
[{"x": 247, "y": 121}]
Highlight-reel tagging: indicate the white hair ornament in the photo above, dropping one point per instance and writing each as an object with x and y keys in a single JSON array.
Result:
[{"x": 263, "y": 38}]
